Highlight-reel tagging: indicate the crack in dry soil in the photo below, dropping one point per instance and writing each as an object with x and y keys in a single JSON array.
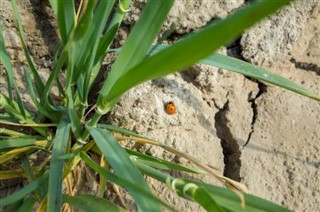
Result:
[
  {"x": 306, "y": 66},
  {"x": 231, "y": 152},
  {"x": 262, "y": 89}
]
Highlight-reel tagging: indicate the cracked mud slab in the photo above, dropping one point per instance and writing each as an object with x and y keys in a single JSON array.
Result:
[{"x": 218, "y": 111}]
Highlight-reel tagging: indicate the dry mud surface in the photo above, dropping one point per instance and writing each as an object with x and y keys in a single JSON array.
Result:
[{"x": 261, "y": 135}]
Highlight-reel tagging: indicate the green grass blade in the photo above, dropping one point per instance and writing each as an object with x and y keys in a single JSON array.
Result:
[
  {"x": 183, "y": 189},
  {"x": 23, "y": 192},
  {"x": 162, "y": 145},
  {"x": 38, "y": 82},
  {"x": 250, "y": 70},
  {"x": 226, "y": 198},
  {"x": 255, "y": 72},
  {"x": 123, "y": 166},
  {"x": 231, "y": 201},
  {"x": 112, "y": 29},
  {"x": 5, "y": 60},
  {"x": 45, "y": 97},
  {"x": 91, "y": 203},
  {"x": 27, "y": 204},
  {"x": 108, "y": 37},
  {"x": 96, "y": 28},
  {"x": 189, "y": 50},
  {"x": 33, "y": 96},
  {"x": 203, "y": 197},
  {"x": 119, "y": 180},
  {"x": 20, "y": 103},
  {"x": 138, "y": 43},
  {"x": 66, "y": 15},
  {"x": 161, "y": 164},
  {"x": 56, "y": 165},
  {"x": 17, "y": 142},
  {"x": 73, "y": 115}
]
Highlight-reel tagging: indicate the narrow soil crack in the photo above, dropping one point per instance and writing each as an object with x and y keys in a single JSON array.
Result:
[
  {"x": 229, "y": 145},
  {"x": 306, "y": 66},
  {"x": 262, "y": 89}
]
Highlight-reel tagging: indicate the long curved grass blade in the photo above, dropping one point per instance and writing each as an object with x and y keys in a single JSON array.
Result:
[
  {"x": 224, "y": 197},
  {"x": 250, "y": 70},
  {"x": 151, "y": 141},
  {"x": 112, "y": 29},
  {"x": 125, "y": 183},
  {"x": 137, "y": 44},
  {"x": 18, "y": 142},
  {"x": 33, "y": 96},
  {"x": 108, "y": 37},
  {"x": 189, "y": 50},
  {"x": 231, "y": 201},
  {"x": 11, "y": 133},
  {"x": 27, "y": 204},
  {"x": 247, "y": 69},
  {"x": 66, "y": 16},
  {"x": 5, "y": 60},
  {"x": 184, "y": 189},
  {"x": 123, "y": 166},
  {"x": 91, "y": 203},
  {"x": 96, "y": 27},
  {"x": 15, "y": 173},
  {"x": 56, "y": 165},
  {"x": 38, "y": 82},
  {"x": 156, "y": 162},
  {"x": 23, "y": 192},
  {"x": 161, "y": 164},
  {"x": 18, "y": 151}
]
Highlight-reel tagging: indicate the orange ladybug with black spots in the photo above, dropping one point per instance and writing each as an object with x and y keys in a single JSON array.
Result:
[{"x": 170, "y": 108}]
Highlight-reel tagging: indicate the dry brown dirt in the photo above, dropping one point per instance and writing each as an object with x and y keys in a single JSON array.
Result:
[{"x": 261, "y": 135}]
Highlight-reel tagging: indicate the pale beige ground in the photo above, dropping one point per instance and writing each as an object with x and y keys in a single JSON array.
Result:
[{"x": 218, "y": 112}]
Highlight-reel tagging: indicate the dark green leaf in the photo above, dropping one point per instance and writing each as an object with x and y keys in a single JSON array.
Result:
[
  {"x": 23, "y": 192},
  {"x": 123, "y": 166},
  {"x": 89, "y": 203},
  {"x": 60, "y": 142}
]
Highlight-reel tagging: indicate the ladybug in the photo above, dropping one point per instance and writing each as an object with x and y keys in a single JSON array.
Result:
[{"x": 170, "y": 108}]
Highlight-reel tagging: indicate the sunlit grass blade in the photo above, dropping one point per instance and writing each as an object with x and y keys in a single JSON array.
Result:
[
  {"x": 231, "y": 201},
  {"x": 5, "y": 60},
  {"x": 33, "y": 96},
  {"x": 30, "y": 175},
  {"x": 38, "y": 82},
  {"x": 85, "y": 58},
  {"x": 183, "y": 189},
  {"x": 161, "y": 164},
  {"x": 195, "y": 47},
  {"x": 156, "y": 162},
  {"x": 18, "y": 142},
  {"x": 224, "y": 197},
  {"x": 27, "y": 204},
  {"x": 87, "y": 45},
  {"x": 11, "y": 133},
  {"x": 23, "y": 191},
  {"x": 56, "y": 165},
  {"x": 73, "y": 115},
  {"x": 247, "y": 69},
  {"x": 18, "y": 151},
  {"x": 250, "y": 70},
  {"x": 91, "y": 203},
  {"x": 125, "y": 183},
  {"x": 108, "y": 37},
  {"x": 112, "y": 29},
  {"x": 137, "y": 44},
  {"x": 66, "y": 17},
  {"x": 123, "y": 166},
  {"x": 145, "y": 140}
]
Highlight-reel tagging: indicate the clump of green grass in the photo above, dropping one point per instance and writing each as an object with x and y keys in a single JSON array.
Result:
[{"x": 64, "y": 131}]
